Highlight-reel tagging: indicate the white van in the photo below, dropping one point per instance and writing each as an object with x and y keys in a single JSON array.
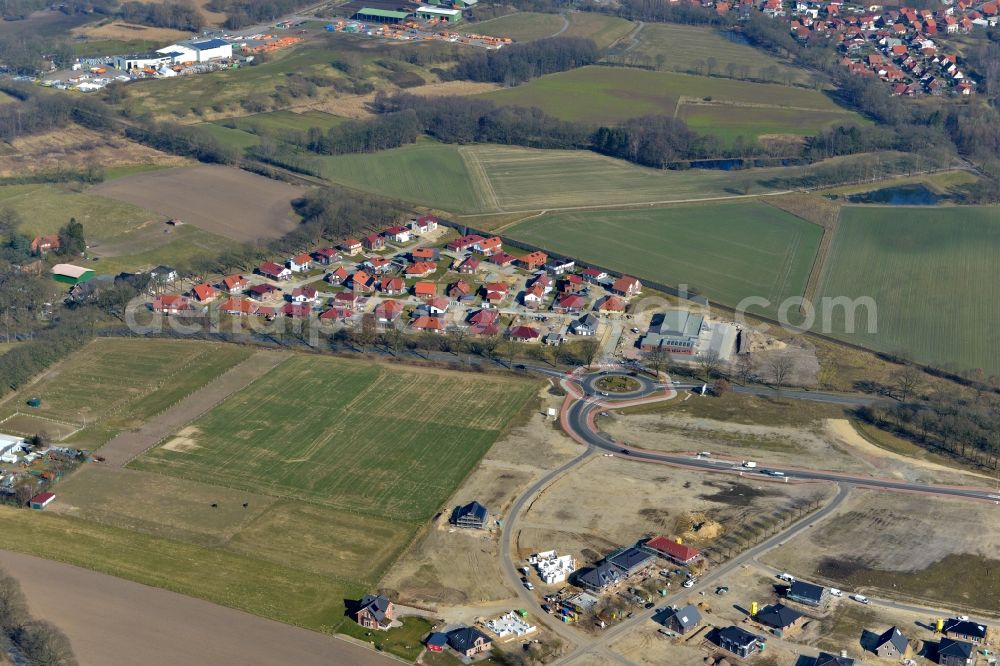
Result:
[{"x": 860, "y": 598}]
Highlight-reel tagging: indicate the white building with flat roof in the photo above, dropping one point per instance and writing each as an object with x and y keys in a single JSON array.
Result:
[
  {"x": 553, "y": 568},
  {"x": 510, "y": 624}
]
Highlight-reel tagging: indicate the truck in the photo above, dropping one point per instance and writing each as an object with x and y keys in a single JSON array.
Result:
[{"x": 749, "y": 464}]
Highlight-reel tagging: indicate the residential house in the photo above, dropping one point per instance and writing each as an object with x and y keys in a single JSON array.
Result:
[
  {"x": 502, "y": 259},
  {"x": 471, "y": 515},
  {"x": 677, "y": 332},
  {"x": 533, "y": 261},
  {"x": 954, "y": 653},
  {"x": 299, "y": 263},
  {"x": 326, "y": 256},
  {"x": 263, "y": 291},
  {"x": 398, "y": 234},
  {"x": 488, "y": 246},
  {"x": 484, "y": 322},
  {"x": 779, "y": 617},
  {"x": 460, "y": 290},
  {"x": 274, "y": 271},
  {"x": 523, "y": 333},
  {"x": 373, "y": 242},
  {"x": 436, "y": 306},
  {"x": 171, "y": 304},
  {"x": 268, "y": 312},
  {"x": 347, "y": 299},
  {"x": 737, "y": 640},
  {"x": 304, "y": 295},
  {"x": 392, "y": 286},
  {"x": 807, "y": 593},
  {"x": 496, "y": 292},
  {"x": 425, "y": 254},
  {"x": 375, "y": 612},
  {"x": 351, "y": 247},
  {"x": 683, "y": 620},
  {"x": 559, "y": 266},
  {"x": 469, "y": 641},
  {"x": 599, "y": 577},
  {"x": 163, "y": 274},
  {"x": 630, "y": 560},
  {"x": 965, "y": 629},
  {"x": 464, "y": 243},
  {"x": 296, "y": 310},
  {"x": 892, "y": 644},
  {"x": 611, "y": 304},
  {"x": 336, "y": 313},
  {"x": 572, "y": 284},
  {"x": 674, "y": 550},
  {"x": 436, "y": 641},
  {"x": 585, "y": 325},
  {"x": 238, "y": 306},
  {"x": 362, "y": 282},
  {"x": 378, "y": 265},
  {"x": 235, "y": 284},
  {"x": 387, "y": 312},
  {"x": 626, "y": 286},
  {"x": 43, "y": 244},
  {"x": 533, "y": 296},
  {"x": 594, "y": 275},
  {"x": 552, "y": 339},
  {"x": 337, "y": 275},
  {"x": 204, "y": 292},
  {"x": 420, "y": 269},
  {"x": 541, "y": 280},
  {"x": 428, "y": 324},
  {"x": 424, "y": 224},
  {"x": 827, "y": 659},
  {"x": 41, "y": 500},
  {"x": 569, "y": 303},
  {"x": 469, "y": 266},
  {"x": 424, "y": 289}
]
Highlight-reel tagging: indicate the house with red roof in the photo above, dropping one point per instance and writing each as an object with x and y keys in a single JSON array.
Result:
[
  {"x": 469, "y": 266},
  {"x": 300, "y": 263},
  {"x": 304, "y": 295},
  {"x": 673, "y": 550},
  {"x": 263, "y": 291},
  {"x": 326, "y": 256},
  {"x": 484, "y": 322},
  {"x": 420, "y": 269},
  {"x": 593, "y": 274},
  {"x": 523, "y": 333},
  {"x": 387, "y": 312},
  {"x": 238, "y": 307},
  {"x": 626, "y": 286},
  {"x": 428, "y": 324},
  {"x": 464, "y": 243},
  {"x": 495, "y": 292},
  {"x": 572, "y": 284},
  {"x": 204, "y": 292},
  {"x": 373, "y": 242},
  {"x": 611, "y": 304},
  {"x": 437, "y": 305},
  {"x": 533, "y": 260},
  {"x": 424, "y": 224},
  {"x": 336, "y": 313},
  {"x": 296, "y": 310},
  {"x": 362, "y": 282},
  {"x": 398, "y": 234},
  {"x": 235, "y": 284},
  {"x": 542, "y": 280},
  {"x": 392, "y": 286},
  {"x": 337, "y": 276},
  {"x": 569, "y": 303},
  {"x": 502, "y": 259},
  {"x": 377, "y": 265},
  {"x": 459, "y": 290},
  {"x": 274, "y": 271},
  {"x": 488, "y": 246},
  {"x": 43, "y": 244},
  {"x": 351, "y": 247},
  {"x": 424, "y": 289},
  {"x": 425, "y": 254},
  {"x": 533, "y": 296},
  {"x": 171, "y": 304},
  {"x": 347, "y": 299}
]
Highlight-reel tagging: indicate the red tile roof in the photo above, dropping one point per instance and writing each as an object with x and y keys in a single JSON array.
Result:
[
  {"x": 428, "y": 324},
  {"x": 672, "y": 549},
  {"x": 523, "y": 333},
  {"x": 203, "y": 292}
]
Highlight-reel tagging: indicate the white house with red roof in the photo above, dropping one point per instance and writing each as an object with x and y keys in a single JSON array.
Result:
[
  {"x": 424, "y": 224},
  {"x": 674, "y": 550},
  {"x": 626, "y": 286},
  {"x": 398, "y": 234},
  {"x": 304, "y": 295},
  {"x": 171, "y": 304},
  {"x": 235, "y": 284},
  {"x": 274, "y": 271},
  {"x": 299, "y": 263},
  {"x": 204, "y": 292}
]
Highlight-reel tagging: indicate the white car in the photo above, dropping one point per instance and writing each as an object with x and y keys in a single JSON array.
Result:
[
  {"x": 786, "y": 577},
  {"x": 860, "y": 598},
  {"x": 528, "y": 585},
  {"x": 834, "y": 592},
  {"x": 690, "y": 582}
]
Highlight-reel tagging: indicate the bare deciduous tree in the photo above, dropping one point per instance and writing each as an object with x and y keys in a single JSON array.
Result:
[
  {"x": 780, "y": 367},
  {"x": 907, "y": 381}
]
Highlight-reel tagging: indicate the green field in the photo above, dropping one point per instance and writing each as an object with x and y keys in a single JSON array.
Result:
[
  {"x": 603, "y": 29},
  {"x": 612, "y": 94},
  {"x": 483, "y": 178},
  {"x": 276, "y": 121},
  {"x": 521, "y": 27},
  {"x": 391, "y": 442},
  {"x": 691, "y": 49},
  {"x": 724, "y": 251},
  {"x": 148, "y": 377},
  {"x": 228, "y": 136},
  {"x": 728, "y": 121},
  {"x": 932, "y": 273}
]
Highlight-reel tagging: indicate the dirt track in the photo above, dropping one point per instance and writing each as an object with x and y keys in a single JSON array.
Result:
[
  {"x": 112, "y": 621},
  {"x": 126, "y": 446},
  {"x": 222, "y": 200}
]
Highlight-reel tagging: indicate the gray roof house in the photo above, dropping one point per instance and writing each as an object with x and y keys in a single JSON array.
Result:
[
  {"x": 954, "y": 653},
  {"x": 585, "y": 325},
  {"x": 892, "y": 644},
  {"x": 827, "y": 659},
  {"x": 375, "y": 612},
  {"x": 737, "y": 640},
  {"x": 472, "y": 514},
  {"x": 807, "y": 593},
  {"x": 683, "y": 620},
  {"x": 599, "y": 577},
  {"x": 965, "y": 629},
  {"x": 677, "y": 332},
  {"x": 630, "y": 560},
  {"x": 163, "y": 273},
  {"x": 778, "y": 616},
  {"x": 469, "y": 641}
]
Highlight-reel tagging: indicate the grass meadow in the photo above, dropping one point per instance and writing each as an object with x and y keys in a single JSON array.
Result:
[
  {"x": 367, "y": 438},
  {"x": 932, "y": 274},
  {"x": 724, "y": 251},
  {"x": 521, "y": 27},
  {"x": 599, "y": 95}
]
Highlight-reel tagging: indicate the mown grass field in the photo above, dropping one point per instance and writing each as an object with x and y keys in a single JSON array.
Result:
[
  {"x": 932, "y": 275},
  {"x": 391, "y": 442},
  {"x": 726, "y": 252},
  {"x": 729, "y": 121},
  {"x": 276, "y": 121},
  {"x": 115, "y": 383},
  {"x": 688, "y": 48},
  {"x": 602, "y": 29},
  {"x": 484, "y": 178},
  {"x": 229, "y": 136},
  {"x": 521, "y": 27},
  {"x": 612, "y": 94}
]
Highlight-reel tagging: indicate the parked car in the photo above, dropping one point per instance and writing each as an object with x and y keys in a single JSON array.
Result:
[
  {"x": 528, "y": 585},
  {"x": 786, "y": 577},
  {"x": 860, "y": 598},
  {"x": 690, "y": 582},
  {"x": 834, "y": 592}
]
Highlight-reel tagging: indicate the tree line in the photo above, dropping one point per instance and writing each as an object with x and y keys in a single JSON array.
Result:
[
  {"x": 242, "y": 13},
  {"x": 34, "y": 642},
  {"x": 178, "y": 14},
  {"x": 522, "y": 62}
]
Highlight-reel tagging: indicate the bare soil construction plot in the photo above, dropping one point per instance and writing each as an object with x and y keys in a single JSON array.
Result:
[
  {"x": 222, "y": 200},
  {"x": 897, "y": 544},
  {"x": 112, "y": 622}
]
